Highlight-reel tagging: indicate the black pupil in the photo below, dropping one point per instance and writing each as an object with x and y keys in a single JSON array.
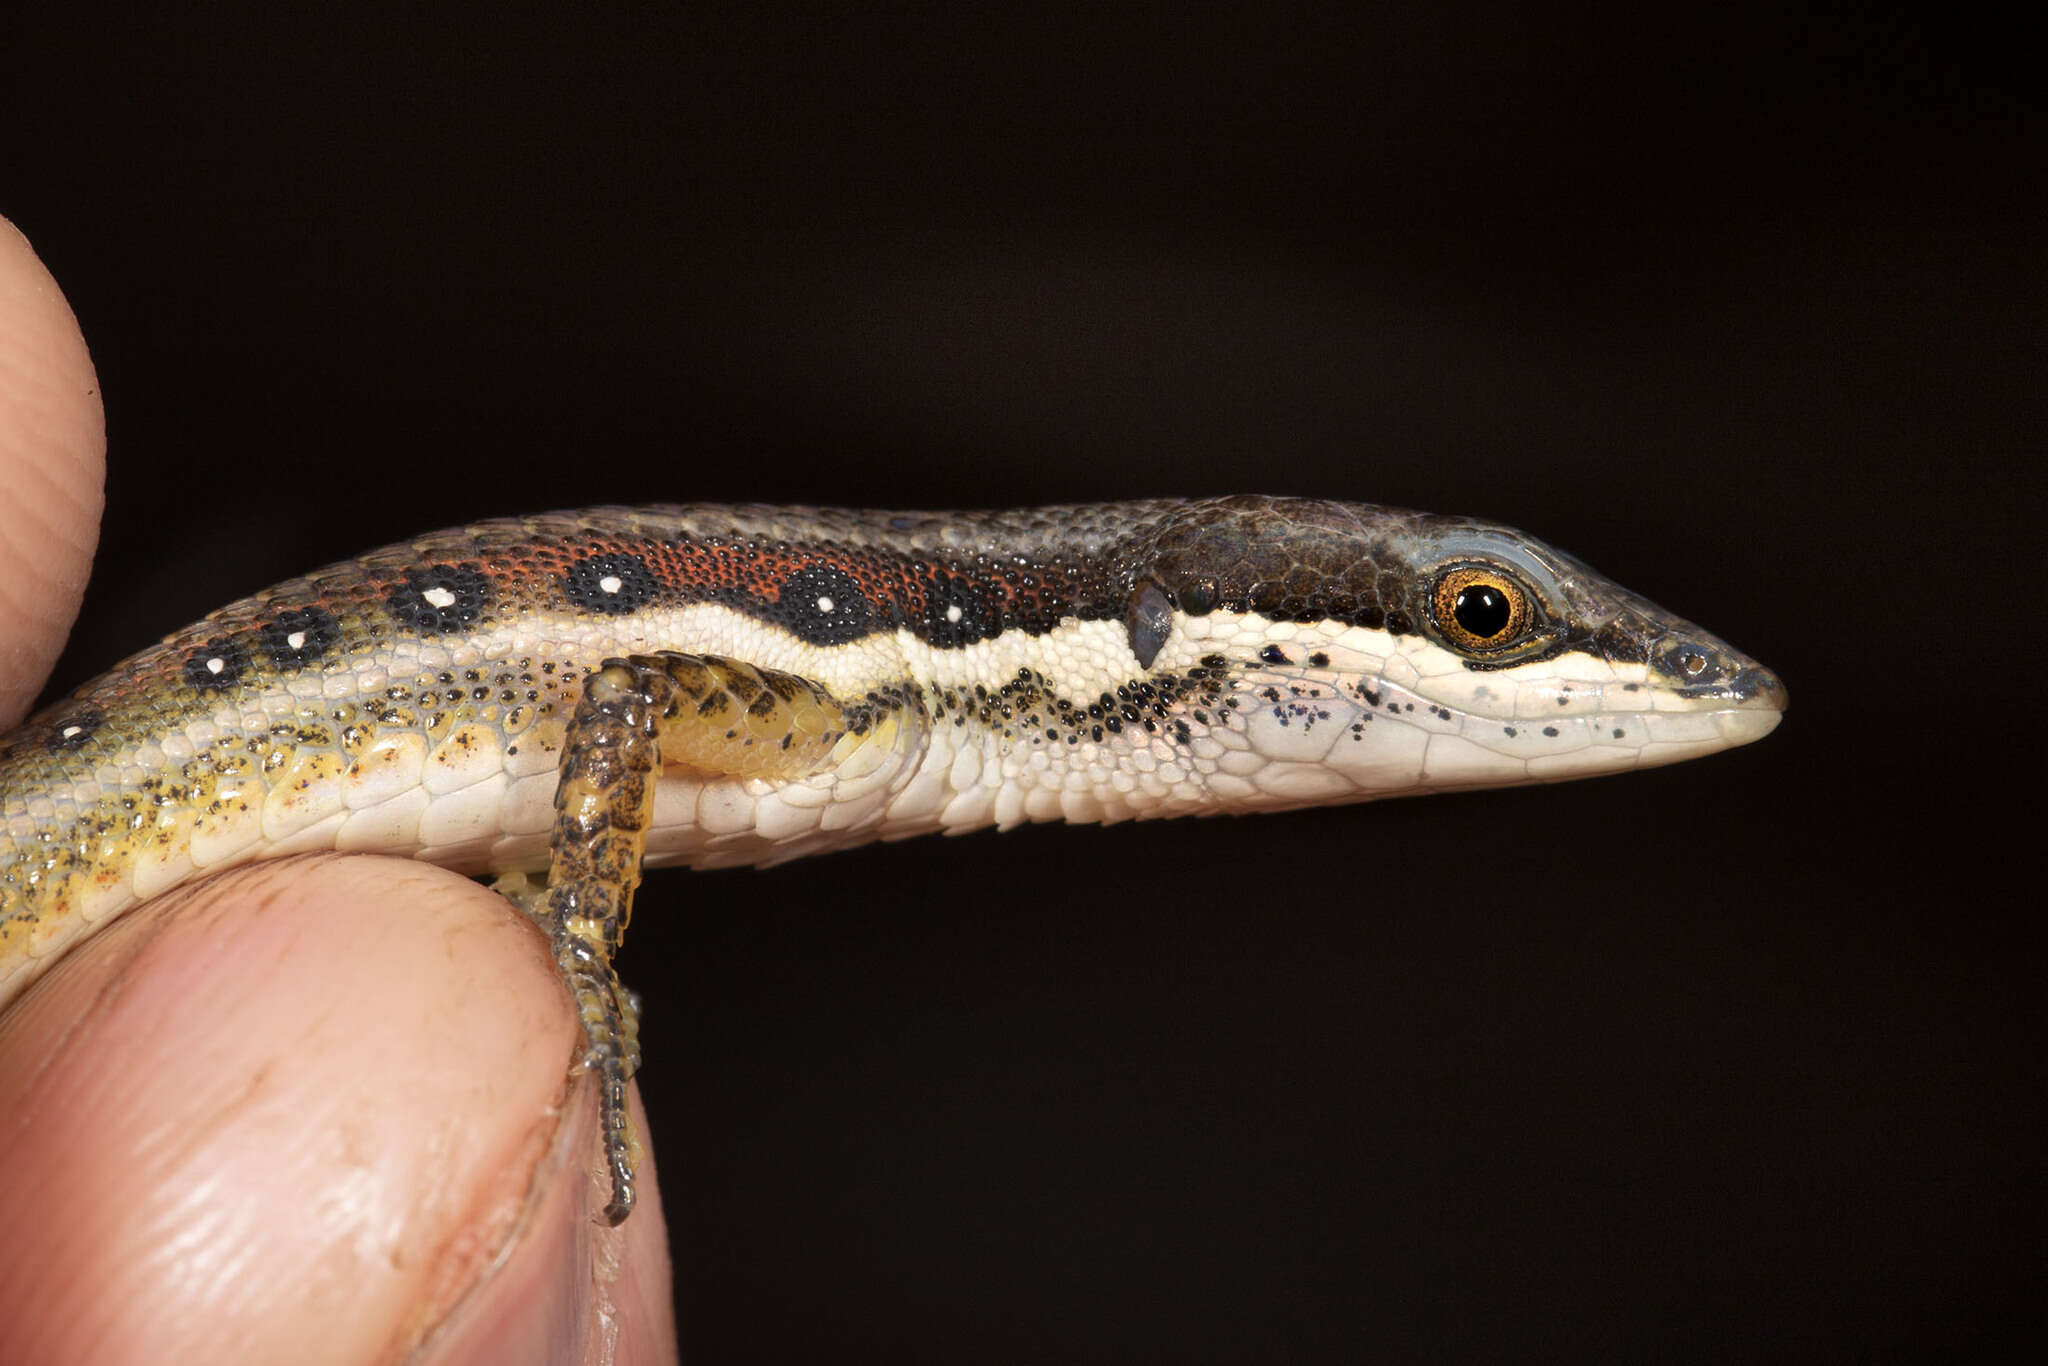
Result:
[{"x": 1482, "y": 610}]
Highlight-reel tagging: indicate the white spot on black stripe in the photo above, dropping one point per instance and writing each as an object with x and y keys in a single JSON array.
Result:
[
  {"x": 71, "y": 731},
  {"x": 298, "y": 637},
  {"x": 440, "y": 598},
  {"x": 954, "y": 614},
  {"x": 614, "y": 584},
  {"x": 824, "y": 605},
  {"x": 217, "y": 665}
]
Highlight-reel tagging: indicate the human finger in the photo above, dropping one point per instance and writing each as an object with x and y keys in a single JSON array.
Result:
[
  {"x": 310, "y": 1110},
  {"x": 53, "y": 443}
]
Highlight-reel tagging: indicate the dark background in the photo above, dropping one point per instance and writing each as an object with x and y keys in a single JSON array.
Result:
[{"x": 1735, "y": 1059}]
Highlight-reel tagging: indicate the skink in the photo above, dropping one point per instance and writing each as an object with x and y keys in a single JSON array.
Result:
[{"x": 583, "y": 693}]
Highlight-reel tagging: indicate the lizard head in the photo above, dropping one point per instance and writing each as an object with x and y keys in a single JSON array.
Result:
[{"x": 1396, "y": 651}]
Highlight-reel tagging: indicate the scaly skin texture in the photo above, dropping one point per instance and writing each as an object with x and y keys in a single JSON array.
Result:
[{"x": 794, "y": 680}]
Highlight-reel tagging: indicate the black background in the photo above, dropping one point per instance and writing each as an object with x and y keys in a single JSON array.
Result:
[{"x": 1735, "y": 1059}]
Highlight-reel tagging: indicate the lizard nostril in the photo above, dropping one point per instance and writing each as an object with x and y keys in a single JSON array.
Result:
[{"x": 1757, "y": 682}]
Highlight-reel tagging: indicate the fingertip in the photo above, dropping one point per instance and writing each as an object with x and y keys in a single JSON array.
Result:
[
  {"x": 313, "y": 1101},
  {"x": 571, "y": 1287},
  {"x": 53, "y": 444}
]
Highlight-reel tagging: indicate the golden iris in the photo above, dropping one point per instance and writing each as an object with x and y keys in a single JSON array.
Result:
[{"x": 1480, "y": 609}]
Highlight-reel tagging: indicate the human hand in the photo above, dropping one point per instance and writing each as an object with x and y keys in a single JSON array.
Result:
[{"x": 310, "y": 1110}]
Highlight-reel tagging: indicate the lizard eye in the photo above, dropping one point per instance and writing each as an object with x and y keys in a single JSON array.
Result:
[{"x": 1480, "y": 609}]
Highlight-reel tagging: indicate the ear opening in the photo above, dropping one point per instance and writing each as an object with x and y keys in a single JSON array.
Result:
[{"x": 1149, "y": 620}]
